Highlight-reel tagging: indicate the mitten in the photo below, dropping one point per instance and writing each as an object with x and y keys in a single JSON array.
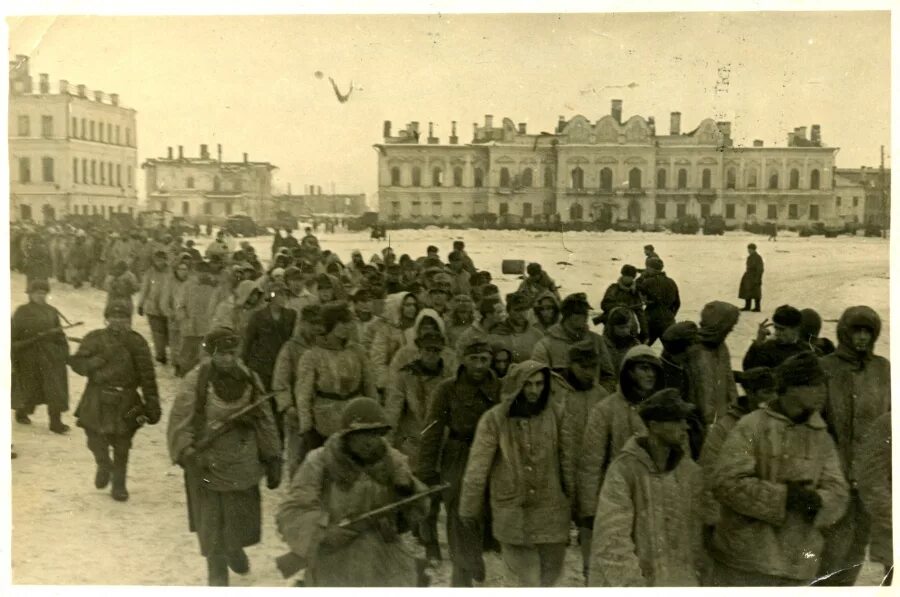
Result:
[{"x": 273, "y": 473}]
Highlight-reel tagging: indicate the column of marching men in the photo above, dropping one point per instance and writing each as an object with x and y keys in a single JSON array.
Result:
[{"x": 387, "y": 391}]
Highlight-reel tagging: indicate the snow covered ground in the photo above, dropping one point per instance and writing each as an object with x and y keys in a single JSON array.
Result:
[{"x": 67, "y": 532}]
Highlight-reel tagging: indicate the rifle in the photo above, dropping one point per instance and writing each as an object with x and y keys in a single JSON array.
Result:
[
  {"x": 219, "y": 428},
  {"x": 39, "y": 336},
  {"x": 290, "y": 563}
]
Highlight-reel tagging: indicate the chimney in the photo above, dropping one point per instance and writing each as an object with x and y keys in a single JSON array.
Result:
[
  {"x": 474, "y": 130},
  {"x": 98, "y": 96},
  {"x": 523, "y": 128},
  {"x": 180, "y": 152},
  {"x": 319, "y": 188},
  {"x": 219, "y": 152},
  {"x": 245, "y": 158},
  {"x": 757, "y": 143},
  {"x": 725, "y": 128},
  {"x": 453, "y": 138},
  {"x": 675, "y": 123},
  {"x": 170, "y": 152},
  {"x": 651, "y": 123},
  {"x": 204, "y": 154},
  {"x": 815, "y": 135},
  {"x": 488, "y": 121},
  {"x": 387, "y": 129},
  {"x": 81, "y": 91},
  {"x": 432, "y": 140},
  {"x": 45, "y": 83},
  {"x": 560, "y": 124},
  {"x": 792, "y": 138},
  {"x": 114, "y": 99},
  {"x": 63, "y": 86},
  {"x": 414, "y": 126},
  {"x": 617, "y": 110},
  {"x": 801, "y": 132}
]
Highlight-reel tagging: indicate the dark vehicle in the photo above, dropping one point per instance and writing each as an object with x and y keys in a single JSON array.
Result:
[
  {"x": 240, "y": 225},
  {"x": 626, "y": 226},
  {"x": 812, "y": 229},
  {"x": 363, "y": 222},
  {"x": 685, "y": 225},
  {"x": 714, "y": 225},
  {"x": 181, "y": 227}
]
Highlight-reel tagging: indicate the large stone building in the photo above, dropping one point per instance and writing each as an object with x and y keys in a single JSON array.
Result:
[
  {"x": 863, "y": 195},
  {"x": 70, "y": 152},
  {"x": 609, "y": 170},
  {"x": 206, "y": 189},
  {"x": 314, "y": 201}
]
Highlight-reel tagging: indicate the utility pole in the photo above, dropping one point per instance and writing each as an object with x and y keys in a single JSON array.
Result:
[{"x": 885, "y": 214}]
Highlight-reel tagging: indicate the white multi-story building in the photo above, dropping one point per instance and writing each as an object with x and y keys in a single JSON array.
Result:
[
  {"x": 608, "y": 170},
  {"x": 70, "y": 152}
]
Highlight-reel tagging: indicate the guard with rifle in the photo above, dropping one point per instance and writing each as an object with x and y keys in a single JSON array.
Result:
[
  {"x": 347, "y": 512},
  {"x": 117, "y": 362},
  {"x": 39, "y": 353},
  {"x": 222, "y": 433}
]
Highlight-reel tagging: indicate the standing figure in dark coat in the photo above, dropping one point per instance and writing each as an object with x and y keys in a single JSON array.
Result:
[
  {"x": 117, "y": 362},
  {"x": 751, "y": 281},
  {"x": 222, "y": 481},
  {"x": 858, "y": 393},
  {"x": 39, "y": 353},
  {"x": 660, "y": 297},
  {"x": 268, "y": 330},
  {"x": 624, "y": 293},
  {"x": 457, "y": 405},
  {"x": 771, "y": 352},
  {"x": 38, "y": 263}
]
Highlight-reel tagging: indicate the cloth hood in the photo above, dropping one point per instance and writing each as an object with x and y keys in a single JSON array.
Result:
[
  {"x": 413, "y": 332},
  {"x": 639, "y": 354},
  {"x": 716, "y": 321},
  {"x": 857, "y": 316},
  {"x": 392, "y": 307},
  {"x": 244, "y": 290},
  {"x": 632, "y": 322},
  {"x": 546, "y": 294},
  {"x": 516, "y": 376}
]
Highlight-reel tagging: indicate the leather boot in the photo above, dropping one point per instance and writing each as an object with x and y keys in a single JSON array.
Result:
[
  {"x": 238, "y": 562},
  {"x": 119, "y": 472},
  {"x": 217, "y": 571},
  {"x": 104, "y": 468},
  {"x": 56, "y": 424},
  {"x": 22, "y": 418}
]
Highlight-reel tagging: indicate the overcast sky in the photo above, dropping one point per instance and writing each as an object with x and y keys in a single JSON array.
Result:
[{"x": 250, "y": 83}]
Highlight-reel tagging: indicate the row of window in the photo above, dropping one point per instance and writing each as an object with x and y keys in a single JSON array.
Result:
[
  {"x": 837, "y": 202},
  {"x": 25, "y": 212},
  {"x": 237, "y": 185},
  {"x": 186, "y": 207},
  {"x": 84, "y": 171},
  {"x": 90, "y": 130},
  {"x": 576, "y": 180}
]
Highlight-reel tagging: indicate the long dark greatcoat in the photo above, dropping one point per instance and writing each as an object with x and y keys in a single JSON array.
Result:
[
  {"x": 39, "y": 374},
  {"x": 751, "y": 281}
]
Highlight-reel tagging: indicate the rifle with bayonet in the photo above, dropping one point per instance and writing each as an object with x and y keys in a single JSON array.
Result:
[
  {"x": 19, "y": 344},
  {"x": 290, "y": 563},
  {"x": 217, "y": 429}
]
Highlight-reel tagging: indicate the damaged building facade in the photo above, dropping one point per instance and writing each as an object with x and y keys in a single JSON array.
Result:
[
  {"x": 71, "y": 152},
  {"x": 206, "y": 189},
  {"x": 609, "y": 170}
]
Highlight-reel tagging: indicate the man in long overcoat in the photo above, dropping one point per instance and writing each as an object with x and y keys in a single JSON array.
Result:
[{"x": 751, "y": 281}]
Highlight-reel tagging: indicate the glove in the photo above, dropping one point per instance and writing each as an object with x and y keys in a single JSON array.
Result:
[
  {"x": 273, "y": 473},
  {"x": 191, "y": 458},
  {"x": 153, "y": 413},
  {"x": 141, "y": 310},
  {"x": 335, "y": 536},
  {"x": 802, "y": 499}
]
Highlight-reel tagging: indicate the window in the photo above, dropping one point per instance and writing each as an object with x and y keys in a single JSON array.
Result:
[
  {"x": 117, "y": 134},
  {"x": 189, "y": 182},
  {"x": 813, "y": 212},
  {"x": 751, "y": 209},
  {"x": 416, "y": 176},
  {"x": 814, "y": 179},
  {"x": 681, "y": 210},
  {"x": 707, "y": 178},
  {"x": 91, "y": 137},
  {"x": 526, "y": 210},
  {"x": 504, "y": 209},
  {"x": 130, "y": 176},
  {"x": 47, "y": 169},
  {"x": 164, "y": 205},
  {"x": 606, "y": 179},
  {"x": 24, "y": 126},
  {"x": 228, "y": 208},
  {"x": 795, "y": 179},
  {"x": 207, "y": 207},
  {"x": 837, "y": 201},
  {"x": 793, "y": 211},
  {"x": 128, "y": 137},
  {"x": 576, "y": 212},
  {"x": 437, "y": 177},
  {"x": 75, "y": 170},
  {"x": 112, "y": 181},
  {"x": 217, "y": 184},
  {"x": 773, "y": 180},
  {"x": 102, "y": 173},
  {"x": 395, "y": 176},
  {"x": 118, "y": 175},
  {"x": 856, "y": 202},
  {"x": 479, "y": 178},
  {"x": 238, "y": 186},
  {"x": 730, "y": 179},
  {"x": 84, "y": 171},
  {"x": 109, "y": 137},
  {"x": 74, "y": 131},
  {"x": 704, "y": 210},
  {"x": 751, "y": 178},
  {"x": 661, "y": 209},
  {"x": 436, "y": 208},
  {"x": 84, "y": 129},
  {"x": 682, "y": 178},
  {"x": 24, "y": 169},
  {"x": 100, "y": 133},
  {"x": 395, "y": 208},
  {"x": 504, "y": 177},
  {"x": 46, "y": 126},
  {"x": 729, "y": 211},
  {"x": 527, "y": 177},
  {"x": 577, "y": 178},
  {"x": 185, "y": 208},
  {"x": 548, "y": 177},
  {"x": 457, "y": 209},
  {"x": 458, "y": 176},
  {"x": 634, "y": 178},
  {"x": 660, "y": 179},
  {"x": 26, "y": 211},
  {"x": 93, "y": 171},
  {"x": 415, "y": 209},
  {"x": 773, "y": 212}
]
